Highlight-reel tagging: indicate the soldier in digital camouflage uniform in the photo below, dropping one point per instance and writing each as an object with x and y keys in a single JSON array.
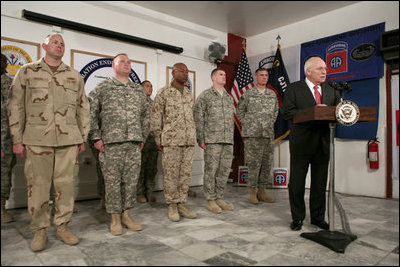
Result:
[
  {"x": 257, "y": 112},
  {"x": 49, "y": 123},
  {"x": 172, "y": 123},
  {"x": 213, "y": 115},
  {"x": 148, "y": 168},
  {"x": 119, "y": 125},
  {"x": 8, "y": 159}
]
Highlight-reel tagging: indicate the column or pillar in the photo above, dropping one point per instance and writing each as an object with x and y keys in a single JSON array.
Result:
[{"x": 229, "y": 64}]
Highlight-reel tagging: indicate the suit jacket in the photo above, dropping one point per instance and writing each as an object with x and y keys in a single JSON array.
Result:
[{"x": 305, "y": 137}]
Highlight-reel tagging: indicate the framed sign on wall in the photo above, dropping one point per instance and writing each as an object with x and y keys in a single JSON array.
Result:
[{"x": 18, "y": 53}]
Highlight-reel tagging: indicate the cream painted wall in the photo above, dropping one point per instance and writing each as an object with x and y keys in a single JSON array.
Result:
[
  {"x": 124, "y": 18},
  {"x": 352, "y": 174}
]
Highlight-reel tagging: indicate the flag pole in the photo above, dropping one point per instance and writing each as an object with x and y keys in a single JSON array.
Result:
[
  {"x": 279, "y": 153},
  {"x": 244, "y": 44},
  {"x": 278, "y": 38},
  {"x": 279, "y": 80},
  {"x": 279, "y": 140},
  {"x": 243, "y": 81}
]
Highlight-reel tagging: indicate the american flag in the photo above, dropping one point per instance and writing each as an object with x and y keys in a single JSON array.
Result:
[{"x": 242, "y": 82}]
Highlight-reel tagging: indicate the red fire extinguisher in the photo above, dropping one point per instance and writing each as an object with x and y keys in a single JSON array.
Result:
[{"x": 373, "y": 154}]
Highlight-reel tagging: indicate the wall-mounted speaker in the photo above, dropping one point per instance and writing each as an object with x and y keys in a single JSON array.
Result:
[{"x": 389, "y": 46}]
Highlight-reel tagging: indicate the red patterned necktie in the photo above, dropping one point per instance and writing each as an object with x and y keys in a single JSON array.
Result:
[{"x": 317, "y": 95}]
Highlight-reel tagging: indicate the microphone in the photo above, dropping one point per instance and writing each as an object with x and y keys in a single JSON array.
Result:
[{"x": 341, "y": 86}]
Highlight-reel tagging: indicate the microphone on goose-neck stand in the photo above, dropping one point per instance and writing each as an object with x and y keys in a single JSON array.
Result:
[{"x": 341, "y": 87}]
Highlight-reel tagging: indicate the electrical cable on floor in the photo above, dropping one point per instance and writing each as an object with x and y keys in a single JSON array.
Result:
[{"x": 343, "y": 218}]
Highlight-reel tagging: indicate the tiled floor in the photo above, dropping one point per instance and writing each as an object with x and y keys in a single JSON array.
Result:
[{"x": 250, "y": 235}]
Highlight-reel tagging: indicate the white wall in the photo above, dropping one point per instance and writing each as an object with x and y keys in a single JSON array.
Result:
[
  {"x": 123, "y": 18},
  {"x": 352, "y": 174},
  {"x": 135, "y": 21}
]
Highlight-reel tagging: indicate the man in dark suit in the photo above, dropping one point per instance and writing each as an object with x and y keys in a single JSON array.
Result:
[{"x": 309, "y": 143}]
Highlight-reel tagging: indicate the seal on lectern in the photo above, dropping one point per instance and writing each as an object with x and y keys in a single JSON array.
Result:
[{"x": 347, "y": 112}]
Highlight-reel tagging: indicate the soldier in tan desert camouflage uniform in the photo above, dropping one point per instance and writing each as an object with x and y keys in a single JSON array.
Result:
[
  {"x": 49, "y": 123},
  {"x": 257, "y": 112},
  {"x": 214, "y": 129},
  {"x": 119, "y": 126},
  {"x": 172, "y": 123},
  {"x": 8, "y": 159}
]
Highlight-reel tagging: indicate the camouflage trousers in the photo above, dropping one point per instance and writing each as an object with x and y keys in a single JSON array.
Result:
[
  {"x": 44, "y": 165},
  {"x": 7, "y": 164},
  {"x": 148, "y": 169},
  {"x": 259, "y": 154},
  {"x": 120, "y": 165},
  {"x": 177, "y": 165},
  {"x": 217, "y": 166}
]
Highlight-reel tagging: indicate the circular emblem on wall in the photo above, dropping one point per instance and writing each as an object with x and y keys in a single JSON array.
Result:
[
  {"x": 363, "y": 52},
  {"x": 17, "y": 57},
  {"x": 347, "y": 113}
]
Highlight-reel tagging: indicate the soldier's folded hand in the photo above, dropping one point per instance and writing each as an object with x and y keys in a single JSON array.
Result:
[
  {"x": 81, "y": 148},
  {"x": 99, "y": 145},
  {"x": 203, "y": 146},
  {"x": 20, "y": 150}
]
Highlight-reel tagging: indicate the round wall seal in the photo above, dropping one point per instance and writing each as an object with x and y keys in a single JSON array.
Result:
[
  {"x": 17, "y": 57},
  {"x": 347, "y": 113}
]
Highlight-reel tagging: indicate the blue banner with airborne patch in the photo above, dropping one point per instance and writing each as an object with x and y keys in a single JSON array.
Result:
[{"x": 349, "y": 56}]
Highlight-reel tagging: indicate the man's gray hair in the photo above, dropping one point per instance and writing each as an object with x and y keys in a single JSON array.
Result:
[
  {"x": 47, "y": 40},
  {"x": 307, "y": 65},
  {"x": 308, "y": 62}
]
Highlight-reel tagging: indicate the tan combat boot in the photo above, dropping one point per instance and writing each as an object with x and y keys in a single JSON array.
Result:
[
  {"x": 253, "y": 195},
  {"x": 141, "y": 198},
  {"x": 262, "y": 196},
  {"x": 127, "y": 221},
  {"x": 39, "y": 241},
  {"x": 173, "y": 213},
  {"x": 64, "y": 234},
  {"x": 224, "y": 205},
  {"x": 115, "y": 225},
  {"x": 151, "y": 197},
  {"x": 5, "y": 216},
  {"x": 213, "y": 207},
  {"x": 185, "y": 212}
]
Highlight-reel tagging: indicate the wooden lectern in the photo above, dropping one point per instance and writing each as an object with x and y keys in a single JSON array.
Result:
[
  {"x": 337, "y": 241},
  {"x": 327, "y": 113}
]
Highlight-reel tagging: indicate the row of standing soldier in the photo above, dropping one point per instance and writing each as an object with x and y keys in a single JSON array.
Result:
[{"x": 50, "y": 118}]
